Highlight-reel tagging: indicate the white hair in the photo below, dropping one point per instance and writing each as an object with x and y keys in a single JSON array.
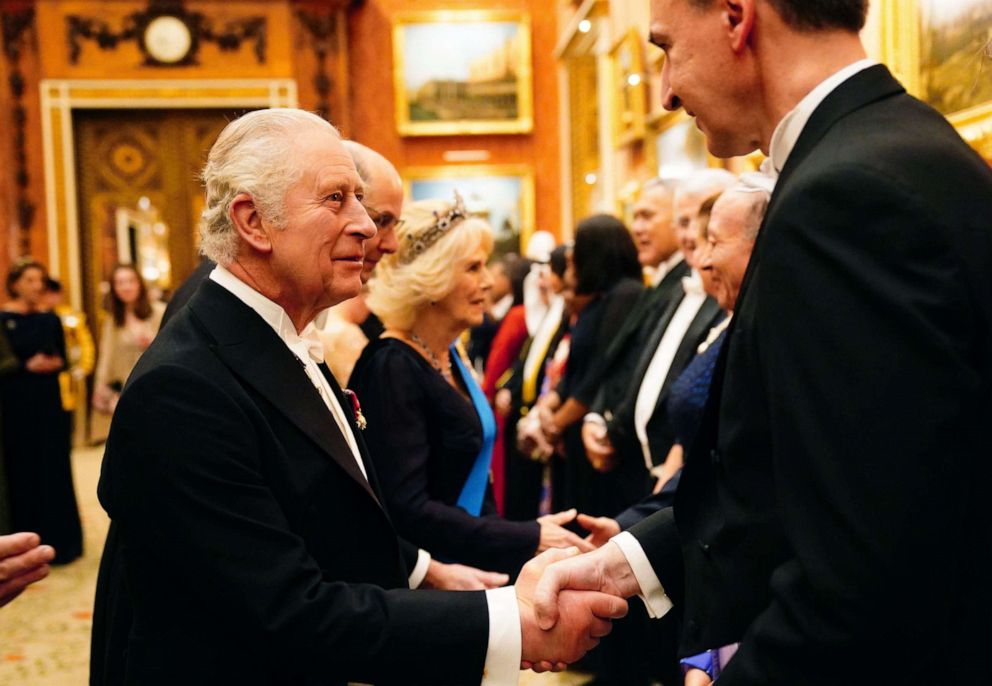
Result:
[
  {"x": 704, "y": 182},
  {"x": 254, "y": 154},
  {"x": 751, "y": 202}
]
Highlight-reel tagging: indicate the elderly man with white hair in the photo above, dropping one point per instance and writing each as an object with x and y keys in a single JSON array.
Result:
[{"x": 248, "y": 517}]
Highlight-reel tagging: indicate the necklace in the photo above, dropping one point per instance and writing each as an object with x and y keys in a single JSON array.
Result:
[{"x": 443, "y": 369}]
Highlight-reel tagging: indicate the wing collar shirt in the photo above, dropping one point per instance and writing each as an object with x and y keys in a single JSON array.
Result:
[
  {"x": 784, "y": 139},
  {"x": 502, "y": 666}
]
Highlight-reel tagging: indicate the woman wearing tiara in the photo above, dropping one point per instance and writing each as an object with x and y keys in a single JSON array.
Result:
[{"x": 431, "y": 429}]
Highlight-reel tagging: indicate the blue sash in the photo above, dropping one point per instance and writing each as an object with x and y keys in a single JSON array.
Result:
[{"x": 474, "y": 490}]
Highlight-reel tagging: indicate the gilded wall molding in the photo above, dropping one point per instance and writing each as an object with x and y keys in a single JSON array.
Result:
[
  {"x": 199, "y": 29},
  {"x": 18, "y": 34}
]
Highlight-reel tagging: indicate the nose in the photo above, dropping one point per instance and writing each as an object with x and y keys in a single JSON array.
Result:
[
  {"x": 669, "y": 100},
  {"x": 388, "y": 242},
  {"x": 487, "y": 279},
  {"x": 359, "y": 221}
]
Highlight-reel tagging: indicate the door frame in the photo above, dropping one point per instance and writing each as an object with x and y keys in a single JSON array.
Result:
[{"x": 59, "y": 98}]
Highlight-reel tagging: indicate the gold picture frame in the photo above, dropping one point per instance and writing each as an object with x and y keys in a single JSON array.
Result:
[
  {"x": 502, "y": 194},
  {"x": 463, "y": 72},
  {"x": 942, "y": 53},
  {"x": 629, "y": 89}
]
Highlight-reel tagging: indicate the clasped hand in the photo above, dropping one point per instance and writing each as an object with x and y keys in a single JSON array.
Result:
[{"x": 582, "y": 618}]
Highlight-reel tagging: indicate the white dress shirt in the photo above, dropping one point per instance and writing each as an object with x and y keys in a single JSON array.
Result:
[
  {"x": 664, "y": 355},
  {"x": 502, "y": 666},
  {"x": 783, "y": 141},
  {"x": 659, "y": 272}
]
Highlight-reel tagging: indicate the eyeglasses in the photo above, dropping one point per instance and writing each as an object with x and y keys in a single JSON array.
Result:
[{"x": 383, "y": 220}]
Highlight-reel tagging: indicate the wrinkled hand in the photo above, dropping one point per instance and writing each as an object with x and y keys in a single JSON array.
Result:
[
  {"x": 40, "y": 363},
  {"x": 697, "y": 677},
  {"x": 605, "y": 570},
  {"x": 531, "y": 441},
  {"x": 455, "y": 577},
  {"x": 553, "y": 535},
  {"x": 601, "y": 529},
  {"x": 599, "y": 449},
  {"x": 23, "y": 561},
  {"x": 549, "y": 428},
  {"x": 503, "y": 402},
  {"x": 584, "y": 619}
]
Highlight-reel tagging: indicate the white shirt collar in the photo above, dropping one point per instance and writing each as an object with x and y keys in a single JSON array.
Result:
[
  {"x": 269, "y": 311},
  {"x": 668, "y": 265},
  {"x": 788, "y": 130},
  {"x": 693, "y": 284}
]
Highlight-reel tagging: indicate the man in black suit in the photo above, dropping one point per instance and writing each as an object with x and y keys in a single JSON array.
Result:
[
  {"x": 831, "y": 518},
  {"x": 244, "y": 508}
]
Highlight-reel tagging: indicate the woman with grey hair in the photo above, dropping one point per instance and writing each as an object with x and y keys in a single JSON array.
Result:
[{"x": 431, "y": 429}]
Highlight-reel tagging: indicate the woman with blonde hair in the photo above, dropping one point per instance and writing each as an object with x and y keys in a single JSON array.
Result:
[{"x": 431, "y": 429}]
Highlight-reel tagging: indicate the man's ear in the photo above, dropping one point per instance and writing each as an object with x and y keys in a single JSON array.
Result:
[
  {"x": 248, "y": 223},
  {"x": 739, "y": 17}
]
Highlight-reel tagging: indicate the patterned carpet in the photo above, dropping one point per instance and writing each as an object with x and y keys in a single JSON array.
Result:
[{"x": 45, "y": 634}]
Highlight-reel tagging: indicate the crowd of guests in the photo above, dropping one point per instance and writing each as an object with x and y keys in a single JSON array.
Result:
[
  {"x": 47, "y": 356},
  {"x": 516, "y": 404}
]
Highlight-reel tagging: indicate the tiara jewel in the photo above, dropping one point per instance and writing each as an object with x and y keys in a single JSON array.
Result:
[{"x": 443, "y": 223}]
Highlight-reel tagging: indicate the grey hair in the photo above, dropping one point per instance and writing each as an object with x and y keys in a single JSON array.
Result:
[
  {"x": 671, "y": 186},
  {"x": 254, "y": 154},
  {"x": 755, "y": 204},
  {"x": 705, "y": 182}
]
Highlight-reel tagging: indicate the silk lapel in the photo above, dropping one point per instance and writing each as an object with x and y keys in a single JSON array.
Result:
[
  {"x": 255, "y": 354},
  {"x": 349, "y": 411}
]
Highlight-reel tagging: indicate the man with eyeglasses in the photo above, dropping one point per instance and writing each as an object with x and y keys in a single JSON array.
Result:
[{"x": 384, "y": 203}]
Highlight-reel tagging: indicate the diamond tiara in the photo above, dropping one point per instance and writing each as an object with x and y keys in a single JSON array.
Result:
[{"x": 443, "y": 223}]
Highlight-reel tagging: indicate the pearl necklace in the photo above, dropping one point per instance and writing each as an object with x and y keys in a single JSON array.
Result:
[{"x": 443, "y": 369}]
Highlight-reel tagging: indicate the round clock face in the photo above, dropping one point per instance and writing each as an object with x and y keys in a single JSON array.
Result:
[{"x": 167, "y": 39}]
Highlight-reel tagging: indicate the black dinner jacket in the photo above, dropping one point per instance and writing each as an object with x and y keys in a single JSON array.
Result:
[
  {"x": 253, "y": 549},
  {"x": 833, "y": 514},
  {"x": 615, "y": 367},
  {"x": 622, "y": 432}
]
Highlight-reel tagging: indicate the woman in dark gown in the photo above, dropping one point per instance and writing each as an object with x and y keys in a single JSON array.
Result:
[
  {"x": 431, "y": 429},
  {"x": 36, "y": 430}
]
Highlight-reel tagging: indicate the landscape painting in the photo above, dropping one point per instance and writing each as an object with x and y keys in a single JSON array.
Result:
[{"x": 462, "y": 72}]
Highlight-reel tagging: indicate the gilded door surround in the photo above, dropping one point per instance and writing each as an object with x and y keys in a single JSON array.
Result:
[{"x": 59, "y": 98}]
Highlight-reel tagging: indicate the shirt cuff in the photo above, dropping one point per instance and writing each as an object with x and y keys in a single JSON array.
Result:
[
  {"x": 420, "y": 569},
  {"x": 652, "y": 592},
  {"x": 504, "y": 651}
]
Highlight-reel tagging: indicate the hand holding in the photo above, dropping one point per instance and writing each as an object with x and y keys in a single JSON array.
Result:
[
  {"x": 23, "y": 561},
  {"x": 503, "y": 402},
  {"x": 599, "y": 449},
  {"x": 585, "y": 618},
  {"x": 40, "y": 363},
  {"x": 454, "y": 577},
  {"x": 553, "y": 535},
  {"x": 601, "y": 529},
  {"x": 605, "y": 570}
]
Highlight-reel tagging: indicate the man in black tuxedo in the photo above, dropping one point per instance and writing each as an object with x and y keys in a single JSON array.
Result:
[
  {"x": 245, "y": 510},
  {"x": 831, "y": 517}
]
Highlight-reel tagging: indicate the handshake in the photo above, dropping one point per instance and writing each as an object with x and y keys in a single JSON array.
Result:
[{"x": 567, "y": 602}]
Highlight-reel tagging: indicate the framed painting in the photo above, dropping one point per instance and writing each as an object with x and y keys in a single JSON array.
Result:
[
  {"x": 503, "y": 195},
  {"x": 942, "y": 51},
  {"x": 629, "y": 89},
  {"x": 462, "y": 72}
]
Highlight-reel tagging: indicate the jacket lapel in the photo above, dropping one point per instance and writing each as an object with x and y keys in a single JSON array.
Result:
[{"x": 256, "y": 355}]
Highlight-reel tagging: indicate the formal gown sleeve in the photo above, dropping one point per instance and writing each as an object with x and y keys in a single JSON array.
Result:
[{"x": 401, "y": 438}]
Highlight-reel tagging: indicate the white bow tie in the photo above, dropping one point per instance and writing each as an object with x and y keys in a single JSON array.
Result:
[
  {"x": 309, "y": 339},
  {"x": 693, "y": 285}
]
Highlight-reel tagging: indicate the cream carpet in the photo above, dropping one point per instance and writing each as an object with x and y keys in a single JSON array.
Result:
[{"x": 45, "y": 634}]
